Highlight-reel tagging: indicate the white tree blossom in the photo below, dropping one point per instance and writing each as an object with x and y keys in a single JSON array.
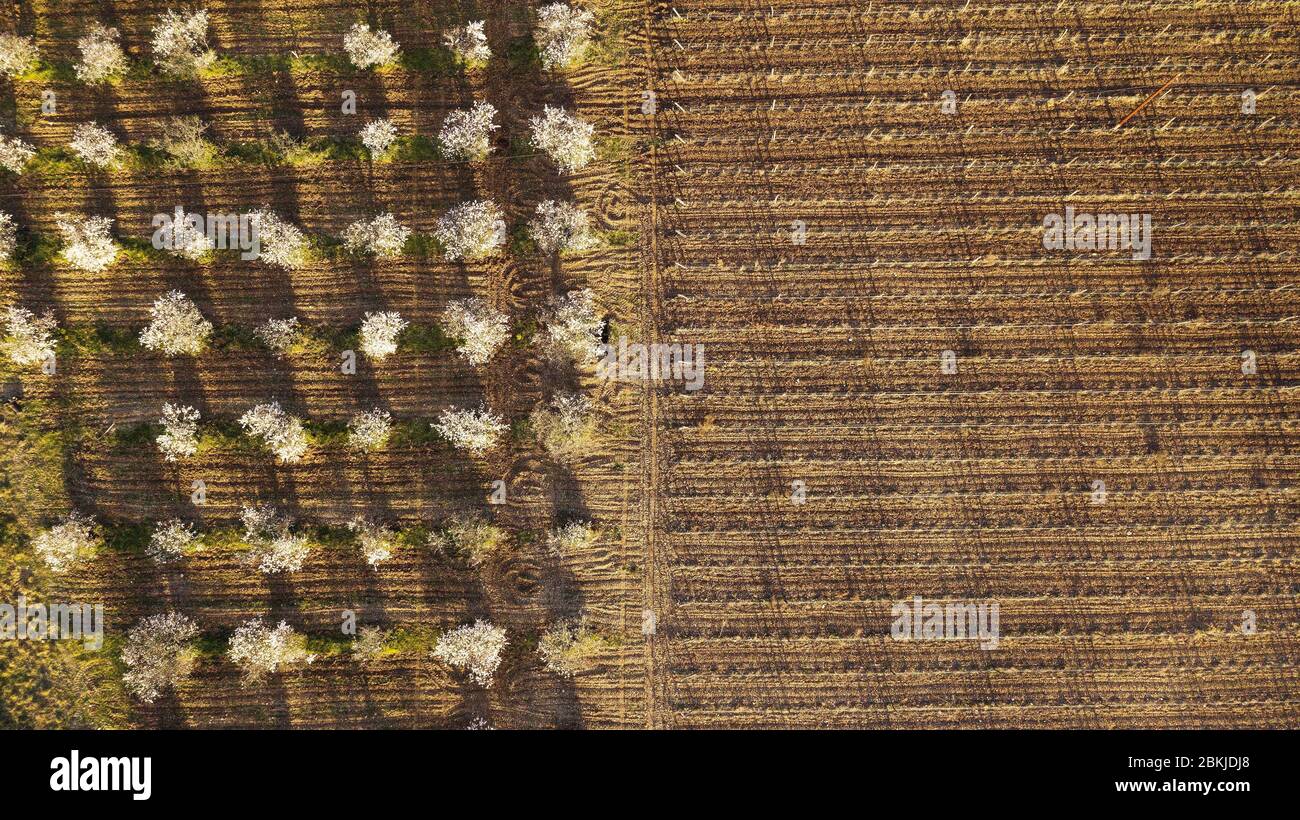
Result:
[
  {"x": 95, "y": 145},
  {"x": 379, "y": 332},
  {"x": 474, "y": 431},
  {"x": 286, "y": 552},
  {"x": 170, "y": 541},
  {"x": 565, "y": 428},
  {"x": 282, "y": 433},
  {"x": 382, "y": 236},
  {"x": 157, "y": 654},
  {"x": 572, "y": 327},
  {"x": 368, "y": 48},
  {"x": 180, "y": 436},
  {"x": 17, "y": 54},
  {"x": 180, "y": 43},
  {"x": 8, "y": 236},
  {"x": 377, "y": 541},
  {"x": 183, "y": 139},
  {"x": 368, "y": 645},
  {"x": 183, "y": 237},
  {"x": 87, "y": 245},
  {"x": 469, "y": 536},
  {"x": 65, "y": 544},
  {"x": 29, "y": 339},
  {"x": 263, "y": 521},
  {"x": 175, "y": 326},
  {"x": 102, "y": 57},
  {"x": 475, "y": 649},
  {"x": 471, "y": 230},
  {"x": 15, "y": 154},
  {"x": 562, "y": 34},
  {"x": 370, "y": 430},
  {"x": 567, "y": 647},
  {"x": 468, "y": 42},
  {"x": 260, "y": 650},
  {"x": 560, "y": 226},
  {"x": 467, "y": 134},
  {"x": 566, "y": 139},
  {"x": 281, "y": 243},
  {"x": 278, "y": 334},
  {"x": 378, "y": 136},
  {"x": 480, "y": 328},
  {"x": 568, "y": 540},
  {"x": 274, "y": 548}
]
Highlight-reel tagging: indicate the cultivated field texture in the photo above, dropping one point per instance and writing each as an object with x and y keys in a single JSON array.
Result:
[
  {"x": 971, "y": 476},
  {"x": 906, "y": 393}
]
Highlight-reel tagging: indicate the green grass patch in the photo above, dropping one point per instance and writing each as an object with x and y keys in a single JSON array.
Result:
[
  {"x": 619, "y": 238},
  {"x": 425, "y": 339}
]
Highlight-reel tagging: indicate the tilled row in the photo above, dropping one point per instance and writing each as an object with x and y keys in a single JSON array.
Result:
[
  {"x": 834, "y": 438},
  {"x": 1028, "y": 371},
  {"x": 838, "y": 285},
  {"x": 759, "y": 474},
  {"x": 878, "y": 586},
  {"x": 1061, "y": 508},
  {"x": 839, "y": 548},
  {"x": 1040, "y": 617}
]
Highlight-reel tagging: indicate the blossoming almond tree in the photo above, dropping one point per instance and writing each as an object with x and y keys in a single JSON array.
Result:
[
  {"x": 566, "y": 139},
  {"x": 283, "y": 434},
  {"x": 367, "y": 48},
  {"x": 274, "y": 548},
  {"x": 180, "y": 435},
  {"x": 180, "y": 43},
  {"x": 102, "y": 57},
  {"x": 370, "y": 430},
  {"x": 171, "y": 540},
  {"x": 95, "y": 145},
  {"x": 369, "y": 644},
  {"x": 572, "y": 328},
  {"x": 29, "y": 339},
  {"x": 17, "y": 54},
  {"x": 471, "y": 537},
  {"x": 175, "y": 326},
  {"x": 568, "y": 540},
  {"x": 563, "y": 33},
  {"x": 481, "y": 328},
  {"x": 565, "y": 428},
  {"x": 379, "y": 332},
  {"x": 15, "y": 154},
  {"x": 466, "y": 135},
  {"x": 382, "y": 236},
  {"x": 280, "y": 242},
  {"x": 65, "y": 544},
  {"x": 87, "y": 245},
  {"x": 560, "y": 226},
  {"x": 184, "y": 238},
  {"x": 474, "y": 431},
  {"x": 279, "y": 335},
  {"x": 377, "y": 541},
  {"x": 378, "y": 136},
  {"x": 260, "y": 650},
  {"x": 158, "y": 654},
  {"x": 469, "y": 43},
  {"x": 474, "y": 648},
  {"x": 471, "y": 230},
  {"x": 8, "y": 236}
]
